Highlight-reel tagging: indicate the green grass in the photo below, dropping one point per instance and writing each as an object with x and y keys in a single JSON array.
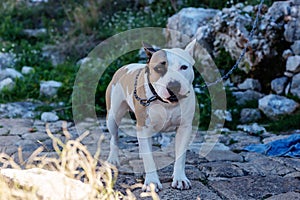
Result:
[
  {"x": 284, "y": 123},
  {"x": 77, "y": 33}
]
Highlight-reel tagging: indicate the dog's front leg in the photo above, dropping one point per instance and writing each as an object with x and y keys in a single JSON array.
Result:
[
  {"x": 180, "y": 181},
  {"x": 144, "y": 136}
]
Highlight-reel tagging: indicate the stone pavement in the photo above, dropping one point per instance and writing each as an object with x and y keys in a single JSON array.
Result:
[{"x": 223, "y": 172}]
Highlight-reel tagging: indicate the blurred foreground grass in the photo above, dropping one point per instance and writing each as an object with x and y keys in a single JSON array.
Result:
[{"x": 73, "y": 161}]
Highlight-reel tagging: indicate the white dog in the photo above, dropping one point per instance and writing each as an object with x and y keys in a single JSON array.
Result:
[{"x": 165, "y": 82}]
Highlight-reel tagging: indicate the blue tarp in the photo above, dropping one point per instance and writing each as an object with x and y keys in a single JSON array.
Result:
[{"x": 283, "y": 147}]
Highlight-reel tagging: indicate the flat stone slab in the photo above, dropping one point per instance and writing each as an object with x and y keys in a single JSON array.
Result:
[
  {"x": 219, "y": 170},
  {"x": 254, "y": 187},
  {"x": 198, "y": 191},
  {"x": 288, "y": 195},
  {"x": 217, "y": 155},
  {"x": 215, "y": 168}
]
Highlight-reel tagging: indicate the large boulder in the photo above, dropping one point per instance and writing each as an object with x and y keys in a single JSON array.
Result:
[
  {"x": 50, "y": 185},
  {"x": 295, "y": 86},
  {"x": 274, "y": 106},
  {"x": 186, "y": 22}
]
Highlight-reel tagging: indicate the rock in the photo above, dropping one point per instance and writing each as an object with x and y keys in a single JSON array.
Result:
[
  {"x": 249, "y": 115},
  {"x": 27, "y": 145},
  {"x": 19, "y": 109},
  {"x": 248, "y": 9},
  {"x": 35, "y": 32},
  {"x": 237, "y": 141},
  {"x": 250, "y": 84},
  {"x": 288, "y": 195},
  {"x": 273, "y": 138},
  {"x": 202, "y": 148},
  {"x": 254, "y": 187},
  {"x": 7, "y": 60},
  {"x": 198, "y": 191},
  {"x": 36, "y": 136},
  {"x": 49, "y": 88},
  {"x": 27, "y": 70},
  {"x": 287, "y": 53},
  {"x": 288, "y": 74},
  {"x": 296, "y": 47},
  {"x": 7, "y": 83},
  {"x": 187, "y": 21},
  {"x": 51, "y": 52},
  {"x": 274, "y": 106},
  {"x": 293, "y": 64},
  {"x": 295, "y": 85},
  {"x": 8, "y": 140},
  {"x": 223, "y": 115},
  {"x": 218, "y": 155},
  {"x": 254, "y": 129},
  {"x": 39, "y": 1},
  {"x": 7, "y": 144},
  {"x": 50, "y": 185},
  {"x": 214, "y": 170},
  {"x": 278, "y": 84},
  {"x": 10, "y": 73},
  {"x": 292, "y": 28},
  {"x": 264, "y": 166},
  {"x": 249, "y": 95},
  {"x": 49, "y": 117}
]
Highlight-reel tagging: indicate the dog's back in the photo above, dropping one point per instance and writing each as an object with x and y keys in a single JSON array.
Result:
[{"x": 121, "y": 84}]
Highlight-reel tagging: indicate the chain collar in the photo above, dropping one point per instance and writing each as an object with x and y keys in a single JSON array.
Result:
[{"x": 144, "y": 101}]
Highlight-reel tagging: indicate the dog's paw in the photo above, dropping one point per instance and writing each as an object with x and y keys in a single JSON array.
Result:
[
  {"x": 152, "y": 179},
  {"x": 114, "y": 160},
  {"x": 182, "y": 183}
]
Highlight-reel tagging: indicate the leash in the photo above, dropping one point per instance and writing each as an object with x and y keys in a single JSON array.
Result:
[
  {"x": 146, "y": 102},
  {"x": 235, "y": 66}
]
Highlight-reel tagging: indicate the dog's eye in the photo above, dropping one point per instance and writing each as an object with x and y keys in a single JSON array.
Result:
[
  {"x": 184, "y": 67},
  {"x": 163, "y": 63},
  {"x": 161, "y": 69}
]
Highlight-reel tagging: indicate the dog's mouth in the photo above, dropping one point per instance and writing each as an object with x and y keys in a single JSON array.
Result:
[{"x": 175, "y": 98}]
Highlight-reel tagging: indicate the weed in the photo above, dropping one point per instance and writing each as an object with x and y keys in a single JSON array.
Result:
[
  {"x": 73, "y": 161},
  {"x": 284, "y": 123}
]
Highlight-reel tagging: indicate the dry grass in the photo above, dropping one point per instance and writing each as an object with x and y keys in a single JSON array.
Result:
[
  {"x": 74, "y": 161},
  {"x": 85, "y": 17}
]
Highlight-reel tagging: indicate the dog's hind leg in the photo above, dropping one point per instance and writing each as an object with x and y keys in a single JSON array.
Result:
[
  {"x": 112, "y": 126},
  {"x": 116, "y": 109}
]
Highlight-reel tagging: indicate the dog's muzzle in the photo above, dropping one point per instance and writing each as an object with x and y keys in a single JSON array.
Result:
[{"x": 173, "y": 88}]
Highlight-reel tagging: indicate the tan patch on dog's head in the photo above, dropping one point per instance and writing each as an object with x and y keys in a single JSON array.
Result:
[{"x": 158, "y": 65}]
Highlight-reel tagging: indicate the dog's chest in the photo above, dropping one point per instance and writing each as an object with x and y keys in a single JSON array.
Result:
[{"x": 163, "y": 119}]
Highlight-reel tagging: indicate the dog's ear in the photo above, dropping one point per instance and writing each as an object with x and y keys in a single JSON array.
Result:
[
  {"x": 191, "y": 47},
  {"x": 148, "y": 49}
]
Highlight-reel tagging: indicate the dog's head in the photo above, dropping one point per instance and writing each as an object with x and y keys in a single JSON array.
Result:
[{"x": 170, "y": 71}]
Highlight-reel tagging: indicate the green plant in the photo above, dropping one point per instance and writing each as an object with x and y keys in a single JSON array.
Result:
[{"x": 284, "y": 123}]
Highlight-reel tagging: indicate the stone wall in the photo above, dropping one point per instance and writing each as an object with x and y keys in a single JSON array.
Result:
[{"x": 272, "y": 62}]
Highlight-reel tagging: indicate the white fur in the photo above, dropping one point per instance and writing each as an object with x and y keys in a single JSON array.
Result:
[{"x": 162, "y": 117}]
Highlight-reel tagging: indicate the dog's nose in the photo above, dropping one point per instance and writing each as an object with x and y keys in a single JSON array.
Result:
[{"x": 173, "y": 87}]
